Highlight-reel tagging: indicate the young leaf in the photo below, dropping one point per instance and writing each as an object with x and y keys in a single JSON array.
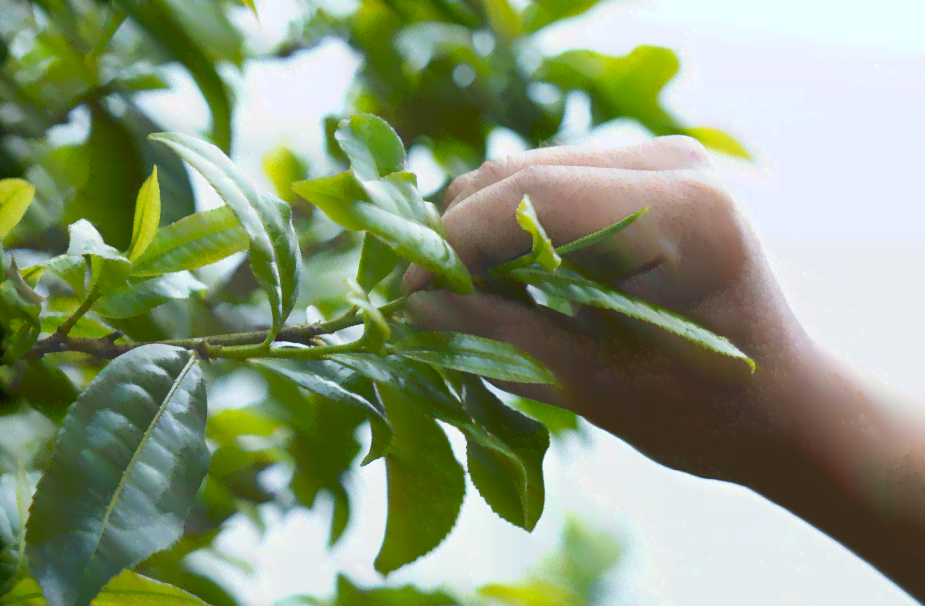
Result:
[
  {"x": 377, "y": 260},
  {"x": 130, "y": 457},
  {"x": 599, "y": 235},
  {"x": 284, "y": 168},
  {"x": 558, "y": 421},
  {"x": 194, "y": 241},
  {"x": 477, "y": 355},
  {"x": 147, "y": 216},
  {"x": 139, "y": 297},
  {"x": 544, "y": 252},
  {"x": 426, "y": 484},
  {"x": 274, "y": 245},
  {"x": 377, "y": 330},
  {"x": 109, "y": 269},
  {"x": 15, "y": 197},
  {"x": 570, "y": 285},
  {"x": 373, "y": 146},
  {"x": 327, "y": 379},
  {"x": 345, "y": 202},
  {"x": 70, "y": 269},
  {"x": 126, "y": 589}
]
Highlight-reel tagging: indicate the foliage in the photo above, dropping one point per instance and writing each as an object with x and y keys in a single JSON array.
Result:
[{"x": 110, "y": 330}]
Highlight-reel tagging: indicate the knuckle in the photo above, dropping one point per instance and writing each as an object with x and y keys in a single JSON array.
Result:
[
  {"x": 492, "y": 170},
  {"x": 690, "y": 149},
  {"x": 707, "y": 188},
  {"x": 529, "y": 175}
]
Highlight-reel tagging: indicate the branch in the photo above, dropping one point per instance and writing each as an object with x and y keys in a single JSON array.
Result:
[{"x": 106, "y": 347}]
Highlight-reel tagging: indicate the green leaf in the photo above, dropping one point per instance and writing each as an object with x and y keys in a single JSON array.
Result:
[
  {"x": 468, "y": 353},
  {"x": 349, "y": 594},
  {"x": 19, "y": 321},
  {"x": 344, "y": 201},
  {"x": 109, "y": 269},
  {"x": 283, "y": 169},
  {"x": 541, "y": 13},
  {"x": 15, "y": 197},
  {"x": 327, "y": 379},
  {"x": 505, "y": 451},
  {"x": 70, "y": 269},
  {"x": 599, "y": 235},
  {"x": 374, "y": 148},
  {"x": 376, "y": 261},
  {"x": 274, "y": 245},
  {"x": 376, "y": 329},
  {"x": 536, "y": 592},
  {"x": 718, "y": 140},
  {"x": 142, "y": 296},
  {"x": 558, "y": 421},
  {"x": 227, "y": 425},
  {"x": 426, "y": 484},
  {"x": 125, "y": 589},
  {"x": 85, "y": 327},
  {"x": 503, "y": 19},
  {"x": 544, "y": 252},
  {"x": 147, "y": 216},
  {"x": 249, "y": 4},
  {"x": 194, "y": 241},
  {"x": 570, "y": 285},
  {"x": 129, "y": 459}
]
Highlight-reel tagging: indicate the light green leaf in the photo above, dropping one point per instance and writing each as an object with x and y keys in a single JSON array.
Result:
[
  {"x": 377, "y": 330},
  {"x": 129, "y": 459},
  {"x": 274, "y": 246},
  {"x": 543, "y": 250},
  {"x": 147, "y": 216},
  {"x": 109, "y": 269},
  {"x": 570, "y": 285},
  {"x": 85, "y": 327},
  {"x": 536, "y": 592},
  {"x": 194, "y": 241},
  {"x": 15, "y": 197},
  {"x": 147, "y": 294},
  {"x": 284, "y": 168},
  {"x": 718, "y": 140},
  {"x": 72, "y": 270},
  {"x": 377, "y": 260},
  {"x": 327, "y": 379},
  {"x": 505, "y": 451},
  {"x": 426, "y": 484},
  {"x": 344, "y": 201},
  {"x": 230, "y": 423},
  {"x": 558, "y": 421},
  {"x": 503, "y": 19},
  {"x": 127, "y": 589},
  {"x": 249, "y": 4},
  {"x": 374, "y": 148},
  {"x": 478, "y": 355},
  {"x": 398, "y": 194},
  {"x": 599, "y": 235}
]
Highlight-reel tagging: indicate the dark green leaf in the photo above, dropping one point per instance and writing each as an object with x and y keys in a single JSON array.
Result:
[
  {"x": 128, "y": 462},
  {"x": 426, "y": 484},
  {"x": 194, "y": 241},
  {"x": 327, "y": 379}
]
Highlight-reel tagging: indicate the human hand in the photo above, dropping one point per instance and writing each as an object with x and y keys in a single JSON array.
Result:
[{"x": 693, "y": 252}]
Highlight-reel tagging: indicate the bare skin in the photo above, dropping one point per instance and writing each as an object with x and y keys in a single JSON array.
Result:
[{"x": 789, "y": 431}]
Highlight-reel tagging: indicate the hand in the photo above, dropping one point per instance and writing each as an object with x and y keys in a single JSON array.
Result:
[{"x": 693, "y": 252}]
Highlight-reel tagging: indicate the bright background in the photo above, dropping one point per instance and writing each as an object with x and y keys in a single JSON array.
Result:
[{"x": 828, "y": 95}]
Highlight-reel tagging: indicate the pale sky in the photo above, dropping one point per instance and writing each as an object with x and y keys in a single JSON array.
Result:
[{"x": 828, "y": 95}]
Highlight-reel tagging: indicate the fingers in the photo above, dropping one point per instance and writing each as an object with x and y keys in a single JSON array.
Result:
[
  {"x": 662, "y": 153},
  {"x": 572, "y": 202}
]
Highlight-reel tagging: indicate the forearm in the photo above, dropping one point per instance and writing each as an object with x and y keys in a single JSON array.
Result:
[{"x": 854, "y": 467}]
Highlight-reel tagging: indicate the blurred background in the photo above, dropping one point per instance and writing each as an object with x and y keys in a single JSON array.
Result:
[{"x": 826, "y": 98}]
